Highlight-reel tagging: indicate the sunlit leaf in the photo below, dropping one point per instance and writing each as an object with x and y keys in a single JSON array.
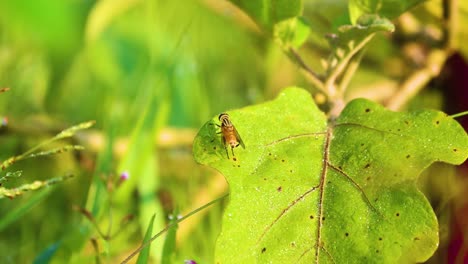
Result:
[
  {"x": 104, "y": 13},
  {"x": 293, "y": 32},
  {"x": 305, "y": 191},
  {"x": 268, "y": 13}
]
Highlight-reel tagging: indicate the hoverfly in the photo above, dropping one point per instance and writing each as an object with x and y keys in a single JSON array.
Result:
[{"x": 230, "y": 135}]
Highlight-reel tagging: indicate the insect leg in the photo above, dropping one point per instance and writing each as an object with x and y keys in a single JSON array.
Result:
[
  {"x": 232, "y": 150},
  {"x": 227, "y": 153}
]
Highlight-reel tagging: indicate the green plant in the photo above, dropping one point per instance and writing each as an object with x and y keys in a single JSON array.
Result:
[
  {"x": 35, "y": 152},
  {"x": 337, "y": 185}
]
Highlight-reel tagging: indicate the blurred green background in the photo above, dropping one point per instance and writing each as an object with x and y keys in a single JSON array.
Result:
[{"x": 150, "y": 73}]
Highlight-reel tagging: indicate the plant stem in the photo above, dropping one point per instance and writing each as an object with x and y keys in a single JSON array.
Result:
[
  {"x": 330, "y": 82},
  {"x": 459, "y": 114},
  {"x": 310, "y": 75},
  {"x": 417, "y": 81},
  {"x": 350, "y": 71}
]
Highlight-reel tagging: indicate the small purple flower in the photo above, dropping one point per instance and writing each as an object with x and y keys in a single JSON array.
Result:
[
  {"x": 124, "y": 176},
  {"x": 189, "y": 261}
]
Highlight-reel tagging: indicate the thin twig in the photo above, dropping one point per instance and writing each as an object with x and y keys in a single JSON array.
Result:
[
  {"x": 330, "y": 82},
  {"x": 134, "y": 253},
  {"x": 350, "y": 71},
  {"x": 417, "y": 81},
  {"x": 459, "y": 114}
]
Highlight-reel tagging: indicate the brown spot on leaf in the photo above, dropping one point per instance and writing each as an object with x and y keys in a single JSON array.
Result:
[
  {"x": 380, "y": 238},
  {"x": 368, "y": 178},
  {"x": 367, "y": 110},
  {"x": 408, "y": 156},
  {"x": 367, "y": 166},
  {"x": 293, "y": 244},
  {"x": 437, "y": 122},
  {"x": 455, "y": 150},
  {"x": 397, "y": 214},
  {"x": 311, "y": 217},
  {"x": 234, "y": 159},
  {"x": 416, "y": 238},
  {"x": 282, "y": 160},
  {"x": 346, "y": 234},
  {"x": 263, "y": 250},
  {"x": 279, "y": 189}
]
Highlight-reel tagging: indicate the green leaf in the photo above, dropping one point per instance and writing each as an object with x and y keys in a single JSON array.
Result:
[
  {"x": 352, "y": 38},
  {"x": 46, "y": 255},
  {"x": 143, "y": 257},
  {"x": 305, "y": 191},
  {"x": 386, "y": 8},
  {"x": 170, "y": 241},
  {"x": 12, "y": 216},
  {"x": 292, "y": 32},
  {"x": 268, "y": 13}
]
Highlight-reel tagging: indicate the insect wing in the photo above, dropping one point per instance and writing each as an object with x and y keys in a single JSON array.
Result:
[{"x": 241, "y": 142}]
